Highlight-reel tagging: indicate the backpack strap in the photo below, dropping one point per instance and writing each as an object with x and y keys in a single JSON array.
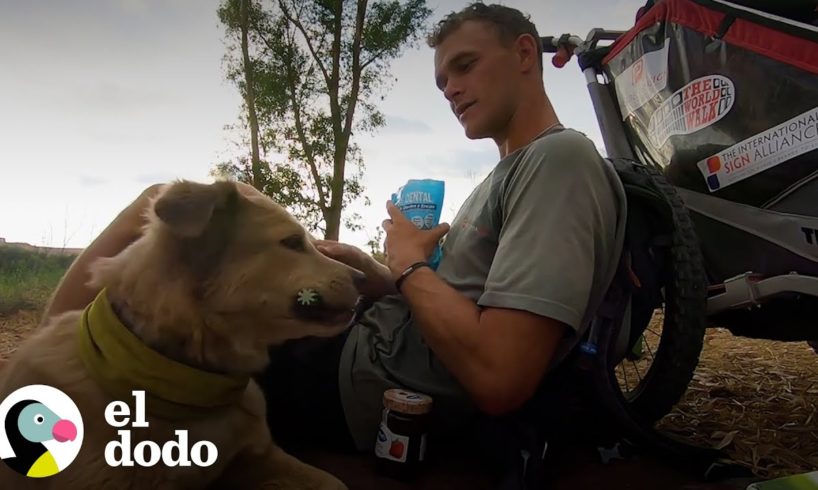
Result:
[{"x": 610, "y": 312}]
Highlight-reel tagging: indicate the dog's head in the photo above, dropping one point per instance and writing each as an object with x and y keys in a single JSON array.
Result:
[{"x": 221, "y": 275}]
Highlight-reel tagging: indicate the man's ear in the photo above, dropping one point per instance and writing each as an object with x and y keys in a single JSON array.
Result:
[
  {"x": 188, "y": 207},
  {"x": 526, "y": 49}
]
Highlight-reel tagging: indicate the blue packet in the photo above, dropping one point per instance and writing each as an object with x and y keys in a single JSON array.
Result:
[{"x": 421, "y": 201}]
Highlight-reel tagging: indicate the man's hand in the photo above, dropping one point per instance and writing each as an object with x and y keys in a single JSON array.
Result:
[
  {"x": 378, "y": 279},
  {"x": 406, "y": 243},
  {"x": 248, "y": 190},
  {"x": 73, "y": 291}
]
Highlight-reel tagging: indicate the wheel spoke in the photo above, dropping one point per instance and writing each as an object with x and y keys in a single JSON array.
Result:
[
  {"x": 625, "y": 377},
  {"x": 650, "y": 351},
  {"x": 655, "y": 328},
  {"x": 638, "y": 374}
]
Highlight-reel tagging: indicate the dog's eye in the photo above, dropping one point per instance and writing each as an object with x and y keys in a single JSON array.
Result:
[{"x": 294, "y": 242}]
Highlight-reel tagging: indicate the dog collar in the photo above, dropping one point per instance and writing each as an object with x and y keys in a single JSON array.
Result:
[{"x": 120, "y": 362}]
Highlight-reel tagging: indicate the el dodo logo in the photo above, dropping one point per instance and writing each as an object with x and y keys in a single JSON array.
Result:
[
  {"x": 42, "y": 434},
  {"x": 148, "y": 453},
  {"x": 41, "y": 431}
]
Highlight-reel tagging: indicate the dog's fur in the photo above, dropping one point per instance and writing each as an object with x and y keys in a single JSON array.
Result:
[{"x": 211, "y": 283}]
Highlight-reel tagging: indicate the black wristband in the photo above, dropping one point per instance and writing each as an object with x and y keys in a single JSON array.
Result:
[{"x": 409, "y": 270}]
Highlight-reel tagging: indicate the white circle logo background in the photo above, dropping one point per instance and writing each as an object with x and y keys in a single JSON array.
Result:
[{"x": 64, "y": 452}]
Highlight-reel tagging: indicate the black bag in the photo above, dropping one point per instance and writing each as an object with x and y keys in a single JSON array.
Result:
[{"x": 656, "y": 217}]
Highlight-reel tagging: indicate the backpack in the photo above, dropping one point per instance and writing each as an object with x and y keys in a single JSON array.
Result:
[{"x": 656, "y": 220}]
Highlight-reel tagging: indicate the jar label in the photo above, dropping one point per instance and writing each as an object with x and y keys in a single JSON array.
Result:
[{"x": 391, "y": 446}]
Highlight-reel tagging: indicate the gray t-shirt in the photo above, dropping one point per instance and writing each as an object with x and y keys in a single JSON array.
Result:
[{"x": 542, "y": 233}]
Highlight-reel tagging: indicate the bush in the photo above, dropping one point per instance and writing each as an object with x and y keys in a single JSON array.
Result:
[{"x": 27, "y": 278}]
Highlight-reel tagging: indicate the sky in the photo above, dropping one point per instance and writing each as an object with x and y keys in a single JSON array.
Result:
[{"x": 101, "y": 98}]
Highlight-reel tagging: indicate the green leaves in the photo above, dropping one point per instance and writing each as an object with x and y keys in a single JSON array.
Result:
[
  {"x": 390, "y": 25},
  {"x": 317, "y": 73}
]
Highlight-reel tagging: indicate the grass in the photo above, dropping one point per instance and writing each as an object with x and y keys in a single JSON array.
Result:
[{"x": 27, "y": 278}]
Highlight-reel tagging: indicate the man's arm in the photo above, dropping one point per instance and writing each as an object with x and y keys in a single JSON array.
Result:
[
  {"x": 73, "y": 291},
  {"x": 499, "y": 355}
]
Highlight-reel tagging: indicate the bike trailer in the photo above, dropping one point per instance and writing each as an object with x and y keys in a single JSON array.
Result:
[{"x": 724, "y": 98}]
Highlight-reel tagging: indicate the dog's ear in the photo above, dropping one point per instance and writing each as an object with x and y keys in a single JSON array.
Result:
[{"x": 187, "y": 208}]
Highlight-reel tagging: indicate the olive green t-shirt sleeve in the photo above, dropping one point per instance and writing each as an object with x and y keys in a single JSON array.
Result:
[{"x": 559, "y": 217}]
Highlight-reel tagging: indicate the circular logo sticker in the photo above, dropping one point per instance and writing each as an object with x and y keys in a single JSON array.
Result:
[{"x": 41, "y": 431}]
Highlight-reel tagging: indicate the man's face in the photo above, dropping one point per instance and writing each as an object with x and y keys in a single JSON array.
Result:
[{"x": 480, "y": 79}]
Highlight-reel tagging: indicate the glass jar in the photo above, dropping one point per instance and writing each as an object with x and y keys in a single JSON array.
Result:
[{"x": 400, "y": 446}]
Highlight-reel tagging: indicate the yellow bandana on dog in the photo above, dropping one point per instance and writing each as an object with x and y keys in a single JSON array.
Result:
[{"x": 120, "y": 362}]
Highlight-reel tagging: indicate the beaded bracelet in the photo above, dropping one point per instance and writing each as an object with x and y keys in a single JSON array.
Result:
[{"x": 409, "y": 270}]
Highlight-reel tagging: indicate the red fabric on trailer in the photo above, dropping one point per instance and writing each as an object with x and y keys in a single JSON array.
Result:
[{"x": 743, "y": 33}]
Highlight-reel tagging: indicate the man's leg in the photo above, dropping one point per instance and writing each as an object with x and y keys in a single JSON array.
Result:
[{"x": 304, "y": 408}]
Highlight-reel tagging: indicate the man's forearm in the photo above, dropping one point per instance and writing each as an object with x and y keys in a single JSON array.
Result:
[
  {"x": 450, "y": 324},
  {"x": 73, "y": 291}
]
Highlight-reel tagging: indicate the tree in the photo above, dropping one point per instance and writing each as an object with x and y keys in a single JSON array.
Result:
[
  {"x": 309, "y": 73},
  {"x": 249, "y": 92},
  {"x": 375, "y": 245}
]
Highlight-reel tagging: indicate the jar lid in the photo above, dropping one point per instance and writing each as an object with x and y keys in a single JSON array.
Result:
[{"x": 407, "y": 402}]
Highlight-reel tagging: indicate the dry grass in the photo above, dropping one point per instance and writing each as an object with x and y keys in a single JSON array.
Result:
[
  {"x": 14, "y": 329},
  {"x": 757, "y": 400}
]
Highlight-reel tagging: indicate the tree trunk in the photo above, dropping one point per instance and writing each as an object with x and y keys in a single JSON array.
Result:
[
  {"x": 333, "y": 212},
  {"x": 249, "y": 95},
  {"x": 332, "y": 218},
  {"x": 336, "y": 202},
  {"x": 343, "y": 129}
]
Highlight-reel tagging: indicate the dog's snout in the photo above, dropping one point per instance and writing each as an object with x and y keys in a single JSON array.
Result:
[{"x": 358, "y": 277}]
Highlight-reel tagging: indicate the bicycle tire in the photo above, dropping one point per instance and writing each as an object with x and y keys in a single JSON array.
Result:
[{"x": 684, "y": 285}]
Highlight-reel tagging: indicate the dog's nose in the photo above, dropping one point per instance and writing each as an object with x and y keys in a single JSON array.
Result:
[{"x": 358, "y": 277}]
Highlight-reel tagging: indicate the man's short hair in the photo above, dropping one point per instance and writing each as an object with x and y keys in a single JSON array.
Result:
[{"x": 509, "y": 23}]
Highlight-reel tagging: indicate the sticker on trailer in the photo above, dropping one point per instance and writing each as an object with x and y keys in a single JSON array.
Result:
[
  {"x": 640, "y": 82},
  {"x": 695, "y": 106},
  {"x": 764, "y": 150}
]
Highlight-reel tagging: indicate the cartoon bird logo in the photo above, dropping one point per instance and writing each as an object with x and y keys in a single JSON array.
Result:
[
  {"x": 39, "y": 441},
  {"x": 28, "y": 425}
]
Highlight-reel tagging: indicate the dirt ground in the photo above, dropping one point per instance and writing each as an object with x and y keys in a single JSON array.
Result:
[
  {"x": 755, "y": 399},
  {"x": 14, "y": 329}
]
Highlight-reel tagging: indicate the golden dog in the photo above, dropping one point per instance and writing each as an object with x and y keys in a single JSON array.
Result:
[{"x": 187, "y": 313}]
